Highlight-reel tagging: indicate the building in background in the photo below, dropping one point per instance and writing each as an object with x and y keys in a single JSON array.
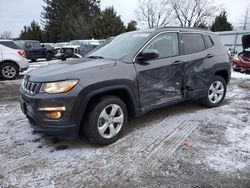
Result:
[{"x": 232, "y": 39}]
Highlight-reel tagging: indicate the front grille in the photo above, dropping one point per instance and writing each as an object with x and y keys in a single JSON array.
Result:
[{"x": 30, "y": 87}]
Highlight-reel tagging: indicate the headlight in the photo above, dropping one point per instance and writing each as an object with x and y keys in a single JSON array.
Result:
[{"x": 59, "y": 87}]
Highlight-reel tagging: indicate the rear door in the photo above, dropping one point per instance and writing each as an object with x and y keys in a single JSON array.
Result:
[
  {"x": 160, "y": 80},
  {"x": 197, "y": 63}
]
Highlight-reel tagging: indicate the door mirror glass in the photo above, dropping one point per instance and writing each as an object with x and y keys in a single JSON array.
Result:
[
  {"x": 28, "y": 46},
  {"x": 148, "y": 54}
]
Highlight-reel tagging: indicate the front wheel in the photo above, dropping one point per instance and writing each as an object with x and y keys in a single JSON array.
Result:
[
  {"x": 216, "y": 92},
  {"x": 105, "y": 120},
  {"x": 9, "y": 71}
]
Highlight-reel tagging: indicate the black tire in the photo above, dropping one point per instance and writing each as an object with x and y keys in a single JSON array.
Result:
[
  {"x": 13, "y": 71},
  {"x": 206, "y": 101},
  {"x": 49, "y": 56},
  {"x": 236, "y": 70},
  {"x": 33, "y": 60},
  {"x": 92, "y": 120},
  {"x": 63, "y": 58}
]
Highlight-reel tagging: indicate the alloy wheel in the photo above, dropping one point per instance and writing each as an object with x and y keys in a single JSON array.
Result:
[
  {"x": 110, "y": 121},
  {"x": 216, "y": 92},
  {"x": 9, "y": 71}
]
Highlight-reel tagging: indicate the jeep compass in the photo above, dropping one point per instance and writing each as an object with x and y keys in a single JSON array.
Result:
[{"x": 130, "y": 75}]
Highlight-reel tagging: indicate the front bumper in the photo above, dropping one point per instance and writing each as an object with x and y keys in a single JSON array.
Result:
[
  {"x": 23, "y": 69},
  {"x": 66, "y": 127}
]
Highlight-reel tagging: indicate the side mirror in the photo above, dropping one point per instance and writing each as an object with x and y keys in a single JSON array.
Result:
[
  {"x": 148, "y": 54},
  {"x": 28, "y": 46},
  {"x": 43, "y": 45}
]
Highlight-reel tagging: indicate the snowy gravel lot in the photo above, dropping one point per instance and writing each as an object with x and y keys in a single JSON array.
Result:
[{"x": 185, "y": 145}]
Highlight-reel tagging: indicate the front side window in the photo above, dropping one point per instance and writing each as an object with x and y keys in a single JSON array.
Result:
[
  {"x": 36, "y": 45},
  {"x": 166, "y": 44},
  {"x": 192, "y": 43}
]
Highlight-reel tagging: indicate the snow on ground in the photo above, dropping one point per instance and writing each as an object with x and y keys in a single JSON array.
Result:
[
  {"x": 185, "y": 145},
  {"x": 240, "y": 75}
]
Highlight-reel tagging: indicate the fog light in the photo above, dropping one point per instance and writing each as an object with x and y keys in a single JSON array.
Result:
[
  {"x": 54, "y": 115},
  {"x": 53, "y": 112}
]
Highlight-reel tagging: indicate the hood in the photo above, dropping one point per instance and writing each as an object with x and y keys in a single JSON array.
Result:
[
  {"x": 70, "y": 69},
  {"x": 246, "y": 41},
  {"x": 71, "y": 46}
]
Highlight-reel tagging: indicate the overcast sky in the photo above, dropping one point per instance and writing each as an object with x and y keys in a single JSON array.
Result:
[{"x": 14, "y": 14}]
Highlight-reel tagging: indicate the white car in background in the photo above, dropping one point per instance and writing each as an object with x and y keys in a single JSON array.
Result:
[
  {"x": 12, "y": 60},
  {"x": 78, "y": 48}
]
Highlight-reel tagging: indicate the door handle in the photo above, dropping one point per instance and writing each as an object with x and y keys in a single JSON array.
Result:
[
  {"x": 177, "y": 62},
  {"x": 209, "y": 56}
]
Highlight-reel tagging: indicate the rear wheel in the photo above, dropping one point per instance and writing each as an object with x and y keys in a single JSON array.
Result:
[
  {"x": 216, "y": 92},
  {"x": 105, "y": 120},
  {"x": 8, "y": 71}
]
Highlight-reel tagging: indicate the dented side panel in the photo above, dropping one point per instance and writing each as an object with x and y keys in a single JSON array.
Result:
[{"x": 159, "y": 81}]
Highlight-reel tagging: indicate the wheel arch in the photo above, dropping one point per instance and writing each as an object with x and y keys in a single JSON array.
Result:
[
  {"x": 224, "y": 74},
  {"x": 124, "y": 92},
  {"x": 11, "y": 61}
]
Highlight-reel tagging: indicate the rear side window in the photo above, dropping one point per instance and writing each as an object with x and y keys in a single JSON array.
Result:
[
  {"x": 10, "y": 44},
  {"x": 166, "y": 44},
  {"x": 208, "y": 41},
  {"x": 192, "y": 43}
]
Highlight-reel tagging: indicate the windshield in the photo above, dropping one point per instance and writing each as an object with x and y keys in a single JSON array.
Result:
[
  {"x": 74, "y": 42},
  {"x": 60, "y": 44},
  {"x": 120, "y": 46}
]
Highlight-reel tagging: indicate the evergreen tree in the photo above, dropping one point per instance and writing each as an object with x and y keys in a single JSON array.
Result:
[
  {"x": 68, "y": 19},
  {"x": 131, "y": 26},
  {"x": 53, "y": 16},
  {"x": 221, "y": 24},
  {"x": 80, "y": 16},
  {"x": 107, "y": 24},
  {"x": 32, "y": 32}
]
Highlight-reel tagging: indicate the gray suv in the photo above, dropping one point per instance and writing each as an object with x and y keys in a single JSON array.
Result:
[{"x": 132, "y": 74}]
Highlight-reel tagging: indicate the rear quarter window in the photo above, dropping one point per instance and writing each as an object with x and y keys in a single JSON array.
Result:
[
  {"x": 10, "y": 44},
  {"x": 192, "y": 43},
  {"x": 208, "y": 41}
]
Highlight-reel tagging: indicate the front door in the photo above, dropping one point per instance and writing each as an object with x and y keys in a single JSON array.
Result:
[{"x": 160, "y": 80}]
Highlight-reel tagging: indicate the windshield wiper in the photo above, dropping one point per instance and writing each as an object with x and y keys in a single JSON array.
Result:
[{"x": 95, "y": 57}]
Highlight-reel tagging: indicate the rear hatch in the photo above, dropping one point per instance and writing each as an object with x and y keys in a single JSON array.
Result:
[{"x": 246, "y": 41}]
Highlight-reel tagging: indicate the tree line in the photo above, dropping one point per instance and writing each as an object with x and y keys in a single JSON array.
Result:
[{"x": 65, "y": 20}]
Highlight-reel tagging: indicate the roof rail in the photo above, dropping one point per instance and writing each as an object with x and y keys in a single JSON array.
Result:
[{"x": 179, "y": 27}]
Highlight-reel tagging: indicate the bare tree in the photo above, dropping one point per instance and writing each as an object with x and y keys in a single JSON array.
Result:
[
  {"x": 6, "y": 35},
  {"x": 155, "y": 13},
  {"x": 192, "y": 13},
  {"x": 245, "y": 22}
]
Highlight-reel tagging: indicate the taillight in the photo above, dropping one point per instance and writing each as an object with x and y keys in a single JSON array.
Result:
[
  {"x": 236, "y": 58},
  {"x": 21, "y": 53}
]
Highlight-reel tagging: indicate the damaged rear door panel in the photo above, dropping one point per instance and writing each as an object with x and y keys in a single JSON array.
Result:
[{"x": 199, "y": 57}]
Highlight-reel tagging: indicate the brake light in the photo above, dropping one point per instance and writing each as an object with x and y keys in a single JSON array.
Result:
[
  {"x": 21, "y": 53},
  {"x": 236, "y": 58}
]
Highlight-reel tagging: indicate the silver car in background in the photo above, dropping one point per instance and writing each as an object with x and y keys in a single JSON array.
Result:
[{"x": 12, "y": 60}]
